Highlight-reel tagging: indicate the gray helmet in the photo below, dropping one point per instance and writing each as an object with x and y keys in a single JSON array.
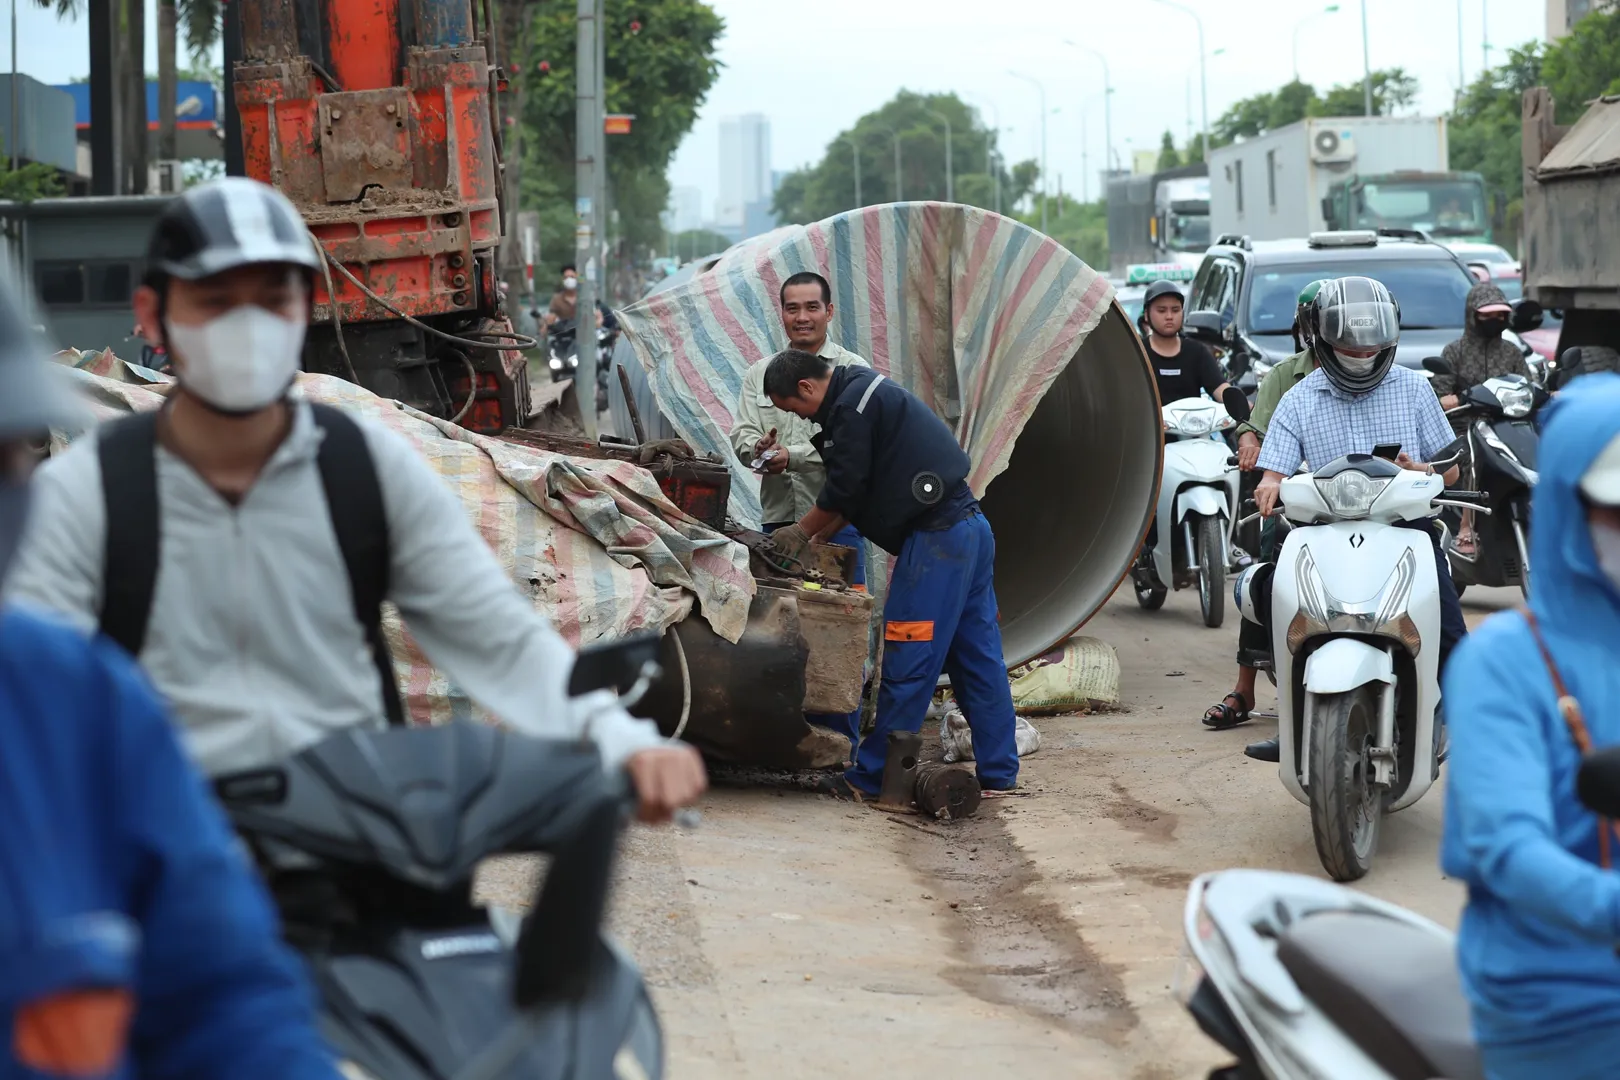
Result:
[
  {"x": 225, "y": 224},
  {"x": 35, "y": 395},
  {"x": 1350, "y": 316},
  {"x": 1160, "y": 288}
]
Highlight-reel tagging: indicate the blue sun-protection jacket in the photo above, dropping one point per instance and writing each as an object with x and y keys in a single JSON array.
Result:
[
  {"x": 1537, "y": 941},
  {"x": 117, "y": 870}
]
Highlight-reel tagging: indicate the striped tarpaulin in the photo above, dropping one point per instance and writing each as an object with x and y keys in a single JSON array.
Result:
[
  {"x": 975, "y": 313},
  {"x": 596, "y": 545}
]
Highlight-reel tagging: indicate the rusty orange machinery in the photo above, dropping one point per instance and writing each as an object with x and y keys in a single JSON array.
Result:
[{"x": 376, "y": 118}]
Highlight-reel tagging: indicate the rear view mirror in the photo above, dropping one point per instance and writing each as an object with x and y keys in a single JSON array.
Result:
[
  {"x": 1237, "y": 404},
  {"x": 557, "y": 951},
  {"x": 615, "y": 665},
  {"x": 1481, "y": 272},
  {"x": 1205, "y": 326},
  {"x": 1435, "y": 365},
  {"x": 1597, "y": 785},
  {"x": 1527, "y": 315}
]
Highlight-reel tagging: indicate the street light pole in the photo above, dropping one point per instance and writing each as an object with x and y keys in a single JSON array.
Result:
[
  {"x": 855, "y": 151},
  {"x": 950, "y": 170},
  {"x": 11, "y": 134},
  {"x": 1203, "y": 74},
  {"x": 1366, "y": 66},
  {"x": 1330, "y": 9},
  {"x": 587, "y": 141},
  {"x": 1041, "y": 87},
  {"x": 1484, "y": 34},
  {"x": 1108, "y": 106},
  {"x": 1462, "y": 71}
]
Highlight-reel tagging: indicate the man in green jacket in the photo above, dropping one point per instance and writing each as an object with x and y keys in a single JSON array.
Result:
[{"x": 1234, "y": 709}]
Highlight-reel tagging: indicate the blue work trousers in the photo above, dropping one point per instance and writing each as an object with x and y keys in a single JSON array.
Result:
[
  {"x": 848, "y": 724},
  {"x": 940, "y": 616}
]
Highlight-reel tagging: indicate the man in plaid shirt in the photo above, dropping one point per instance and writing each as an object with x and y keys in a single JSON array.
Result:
[{"x": 1355, "y": 400}]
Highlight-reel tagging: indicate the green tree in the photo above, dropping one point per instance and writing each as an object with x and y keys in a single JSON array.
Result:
[
  {"x": 1584, "y": 65},
  {"x": 1392, "y": 89},
  {"x": 27, "y": 182},
  {"x": 1169, "y": 158},
  {"x": 660, "y": 66},
  {"x": 1245, "y": 119},
  {"x": 1080, "y": 227},
  {"x": 1291, "y": 103},
  {"x": 696, "y": 243}
]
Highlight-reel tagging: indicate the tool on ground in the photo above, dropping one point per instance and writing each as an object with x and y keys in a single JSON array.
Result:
[{"x": 900, "y": 771}]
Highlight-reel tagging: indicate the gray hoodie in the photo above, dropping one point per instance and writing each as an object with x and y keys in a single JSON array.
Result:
[{"x": 253, "y": 638}]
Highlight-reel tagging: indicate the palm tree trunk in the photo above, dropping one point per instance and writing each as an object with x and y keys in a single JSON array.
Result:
[
  {"x": 136, "y": 89},
  {"x": 168, "y": 33}
]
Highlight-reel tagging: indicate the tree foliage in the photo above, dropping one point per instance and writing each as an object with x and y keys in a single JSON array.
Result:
[
  {"x": 828, "y": 187},
  {"x": 660, "y": 66},
  {"x": 28, "y": 182},
  {"x": 1392, "y": 90},
  {"x": 1169, "y": 158}
]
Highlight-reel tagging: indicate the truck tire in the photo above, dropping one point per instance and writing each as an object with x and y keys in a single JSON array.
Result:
[
  {"x": 1210, "y": 544},
  {"x": 1346, "y": 806}
]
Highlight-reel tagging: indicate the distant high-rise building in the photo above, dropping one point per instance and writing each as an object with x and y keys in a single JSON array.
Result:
[
  {"x": 745, "y": 167},
  {"x": 1562, "y": 15},
  {"x": 686, "y": 209}
]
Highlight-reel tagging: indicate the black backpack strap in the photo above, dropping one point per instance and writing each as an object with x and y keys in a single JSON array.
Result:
[
  {"x": 355, "y": 501},
  {"x": 127, "y": 449}
]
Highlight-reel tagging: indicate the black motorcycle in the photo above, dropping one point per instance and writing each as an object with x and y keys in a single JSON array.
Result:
[
  {"x": 561, "y": 355},
  {"x": 368, "y": 842},
  {"x": 1501, "y": 458}
]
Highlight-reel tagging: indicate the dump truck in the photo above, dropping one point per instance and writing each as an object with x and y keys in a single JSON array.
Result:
[
  {"x": 1349, "y": 172},
  {"x": 1571, "y": 214},
  {"x": 1160, "y": 218}
]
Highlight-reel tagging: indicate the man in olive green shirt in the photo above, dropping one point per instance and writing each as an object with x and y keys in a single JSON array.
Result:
[
  {"x": 1234, "y": 709},
  {"x": 791, "y": 477}
]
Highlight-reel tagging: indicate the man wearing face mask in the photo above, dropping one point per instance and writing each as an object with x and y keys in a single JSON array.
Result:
[
  {"x": 240, "y": 541},
  {"x": 1355, "y": 400},
  {"x": 134, "y": 940},
  {"x": 1536, "y": 945}
]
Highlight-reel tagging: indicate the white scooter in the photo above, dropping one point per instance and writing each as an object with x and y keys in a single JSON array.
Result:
[
  {"x": 1301, "y": 979},
  {"x": 1198, "y": 501},
  {"x": 1355, "y": 603}
]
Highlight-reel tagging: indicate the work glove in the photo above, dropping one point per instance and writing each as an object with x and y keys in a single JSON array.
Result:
[
  {"x": 791, "y": 541},
  {"x": 649, "y": 452}
]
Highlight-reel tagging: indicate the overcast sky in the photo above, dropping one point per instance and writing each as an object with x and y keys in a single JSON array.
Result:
[{"x": 815, "y": 68}]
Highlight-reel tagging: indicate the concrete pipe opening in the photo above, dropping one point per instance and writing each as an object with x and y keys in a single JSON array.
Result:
[{"x": 1073, "y": 505}]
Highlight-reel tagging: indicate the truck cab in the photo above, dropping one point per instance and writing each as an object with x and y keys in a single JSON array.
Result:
[{"x": 1449, "y": 205}]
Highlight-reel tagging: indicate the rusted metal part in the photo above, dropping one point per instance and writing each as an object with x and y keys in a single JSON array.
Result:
[
  {"x": 630, "y": 404},
  {"x": 699, "y": 486},
  {"x": 438, "y": 23},
  {"x": 363, "y": 42},
  {"x": 269, "y": 30},
  {"x": 834, "y": 623},
  {"x": 364, "y": 142},
  {"x": 947, "y": 793},
  {"x": 900, "y": 771}
]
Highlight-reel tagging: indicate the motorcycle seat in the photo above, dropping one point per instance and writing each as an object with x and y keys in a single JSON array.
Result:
[{"x": 1391, "y": 987}]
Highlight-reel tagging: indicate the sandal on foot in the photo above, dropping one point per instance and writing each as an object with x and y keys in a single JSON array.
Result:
[{"x": 1223, "y": 716}]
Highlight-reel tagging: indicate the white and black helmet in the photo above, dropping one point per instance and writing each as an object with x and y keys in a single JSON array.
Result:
[
  {"x": 1354, "y": 325},
  {"x": 224, "y": 224}
]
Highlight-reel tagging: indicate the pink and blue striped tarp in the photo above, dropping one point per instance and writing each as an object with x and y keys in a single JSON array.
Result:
[{"x": 973, "y": 312}]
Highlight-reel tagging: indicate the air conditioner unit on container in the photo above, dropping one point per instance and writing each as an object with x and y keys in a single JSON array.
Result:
[{"x": 1332, "y": 146}]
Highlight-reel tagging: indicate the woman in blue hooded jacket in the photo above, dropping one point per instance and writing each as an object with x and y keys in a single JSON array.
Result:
[{"x": 1538, "y": 937}]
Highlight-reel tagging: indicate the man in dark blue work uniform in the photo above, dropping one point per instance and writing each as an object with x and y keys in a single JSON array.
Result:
[
  {"x": 134, "y": 940},
  {"x": 896, "y": 473}
]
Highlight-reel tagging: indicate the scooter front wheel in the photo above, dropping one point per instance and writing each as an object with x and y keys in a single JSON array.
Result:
[
  {"x": 1212, "y": 554},
  {"x": 1346, "y": 806},
  {"x": 1151, "y": 598}
]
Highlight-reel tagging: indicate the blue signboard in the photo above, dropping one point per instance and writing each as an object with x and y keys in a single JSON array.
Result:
[{"x": 196, "y": 104}]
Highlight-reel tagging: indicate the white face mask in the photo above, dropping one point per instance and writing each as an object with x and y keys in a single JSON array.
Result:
[
  {"x": 570, "y": 283},
  {"x": 241, "y": 362},
  {"x": 1606, "y": 539},
  {"x": 1356, "y": 365}
]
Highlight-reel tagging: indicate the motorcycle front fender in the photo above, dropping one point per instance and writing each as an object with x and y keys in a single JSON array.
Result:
[
  {"x": 1207, "y": 500},
  {"x": 1341, "y": 664}
]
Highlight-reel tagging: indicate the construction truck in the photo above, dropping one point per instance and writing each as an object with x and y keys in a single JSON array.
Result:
[
  {"x": 1571, "y": 216},
  {"x": 1349, "y": 172},
  {"x": 1160, "y": 218},
  {"x": 380, "y": 122}
]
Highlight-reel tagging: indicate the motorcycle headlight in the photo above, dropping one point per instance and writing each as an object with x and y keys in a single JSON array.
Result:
[
  {"x": 555, "y": 364},
  {"x": 1194, "y": 423},
  {"x": 1516, "y": 401},
  {"x": 1351, "y": 494}
]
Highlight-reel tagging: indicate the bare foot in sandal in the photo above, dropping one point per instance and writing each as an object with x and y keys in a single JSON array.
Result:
[{"x": 1223, "y": 715}]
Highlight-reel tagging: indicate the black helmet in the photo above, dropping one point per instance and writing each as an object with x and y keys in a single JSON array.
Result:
[
  {"x": 1160, "y": 288},
  {"x": 1351, "y": 316},
  {"x": 224, "y": 224}
]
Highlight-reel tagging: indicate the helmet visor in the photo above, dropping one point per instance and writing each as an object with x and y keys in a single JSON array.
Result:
[{"x": 1360, "y": 321}]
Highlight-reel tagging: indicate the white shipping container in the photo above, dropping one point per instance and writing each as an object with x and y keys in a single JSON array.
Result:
[{"x": 1271, "y": 187}]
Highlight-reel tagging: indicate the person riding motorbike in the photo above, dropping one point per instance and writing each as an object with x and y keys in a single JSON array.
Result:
[
  {"x": 134, "y": 940},
  {"x": 1234, "y": 708},
  {"x": 1356, "y": 400},
  {"x": 1528, "y": 694},
  {"x": 1481, "y": 353},
  {"x": 253, "y": 611}
]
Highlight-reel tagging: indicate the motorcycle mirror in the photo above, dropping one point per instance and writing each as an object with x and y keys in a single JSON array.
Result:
[
  {"x": 1435, "y": 365},
  {"x": 1237, "y": 404},
  {"x": 1205, "y": 326},
  {"x": 1597, "y": 785},
  {"x": 615, "y": 665},
  {"x": 558, "y": 948},
  {"x": 1527, "y": 315}
]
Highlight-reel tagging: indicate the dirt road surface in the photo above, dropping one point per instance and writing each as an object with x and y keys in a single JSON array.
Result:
[{"x": 792, "y": 936}]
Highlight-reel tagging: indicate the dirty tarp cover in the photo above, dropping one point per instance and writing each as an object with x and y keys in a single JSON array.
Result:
[
  {"x": 596, "y": 544},
  {"x": 973, "y": 312}
]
